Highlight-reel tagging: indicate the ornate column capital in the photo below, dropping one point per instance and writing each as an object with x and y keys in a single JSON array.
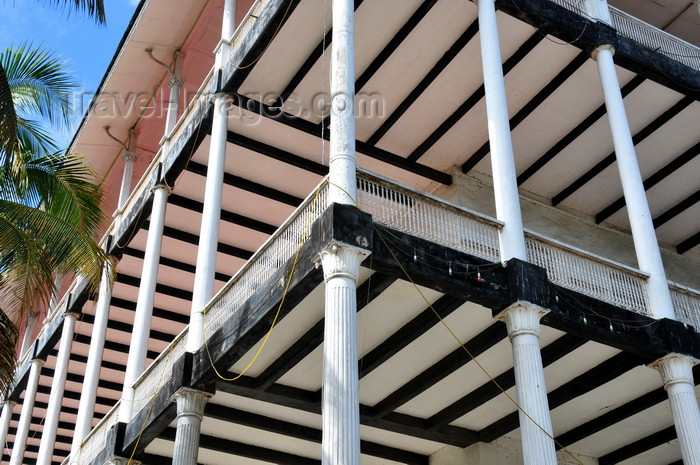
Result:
[
  {"x": 522, "y": 318},
  {"x": 675, "y": 369},
  {"x": 121, "y": 461},
  {"x": 191, "y": 402},
  {"x": 175, "y": 81},
  {"x": 342, "y": 260},
  {"x": 129, "y": 156}
]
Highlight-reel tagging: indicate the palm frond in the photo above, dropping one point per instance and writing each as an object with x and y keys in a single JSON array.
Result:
[
  {"x": 39, "y": 83},
  {"x": 8, "y": 341},
  {"x": 93, "y": 8}
]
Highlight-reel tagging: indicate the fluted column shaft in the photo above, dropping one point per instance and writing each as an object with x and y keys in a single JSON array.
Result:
[
  {"x": 340, "y": 402},
  {"x": 48, "y": 434},
  {"x": 7, "y": 407},
  {"x": 190, "y": 411},
  {"x": 677, "y": 375},
  {"x": 505, "y": 185},
  {"x": 523, "y": 323},
  {"x": 25, "y": 418},
  {"x": 643, "y": 234}
]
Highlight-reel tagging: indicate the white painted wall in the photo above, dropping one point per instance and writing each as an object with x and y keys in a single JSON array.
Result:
[{"x": 475, "y": 191}]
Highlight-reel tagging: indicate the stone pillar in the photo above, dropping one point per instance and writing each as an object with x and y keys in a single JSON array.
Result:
[
  {"x": 203, "y": 289},
  {"x": 523, "y": 323},
  {"x": 7, "y": 407},
  {"x": 228, "y": 27},
  {"x": 28, "y": 333},
  {"x": 48, "y": 435},
  {"x": 340, "y": 401},
  {"x": 129, "y": 158},
  {"x": 190, "y": 410},
  {"x": 140, "y": 335},
  {"x": 677, "y": 374},
  {"x": 86, "y": 408},
  {"x": 643, "y": 233},
  {"x": 25, "y": 418}
]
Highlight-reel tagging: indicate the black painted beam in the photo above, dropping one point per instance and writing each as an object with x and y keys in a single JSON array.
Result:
[
  {"x": 531, "y": 106},
  {"x": 441, "y": 369},
  {"x": 582, "y": 127},
  {"x": 468, "y": 104},
  {"x": 489, "y": 390},
  {"x": 305, "y": 433},
  {"x": 241, "y": 449},
  {"x": 157, "y": 312},
  {"x": 580, "y": 385},
  {"x": 227, "y": 216},
  {"x": 310, "y": 401},
  {"x": 408, "y": 333},
  {"x": 639, "y": 446},
  {"x": 105, "y": 364},
  {"x": 193, "y": 239},
  {"x": 276, "y": 154},
  {"x": 688, "y": 244},
  {"x": 651, "y": 181},
  {"x": 677, "y": 209},
  {"x": 250, "y": 186},
  {"x": 361, "y": 147},
  {"x": 436, "y": 70},
  {"x": 599, "y": 167},
  {"x": 160, "y": 288},
  {"x": 165, "y": 261},
  {"x": 111, "y": 345},
  {"x": 313, "y": 338},
  {"x": 128, "y": 328}
]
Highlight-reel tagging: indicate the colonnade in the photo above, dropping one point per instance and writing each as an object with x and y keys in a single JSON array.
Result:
[{"x": 341, "y": 265}]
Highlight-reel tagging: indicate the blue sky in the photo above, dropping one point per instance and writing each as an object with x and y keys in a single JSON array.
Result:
[{"x": 87, "y": 48}]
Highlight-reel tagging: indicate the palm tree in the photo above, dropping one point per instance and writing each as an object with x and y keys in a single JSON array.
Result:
[{"x": 50, "y": 205}]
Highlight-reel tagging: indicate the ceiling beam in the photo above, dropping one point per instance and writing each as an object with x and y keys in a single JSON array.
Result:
[
  {"x": 276, "y": 154},
  {"x": 307, "y": 343},
  {"x": 688, "y": 244},
  {"x": 417, "y": 91},
  {"x": 310, "y": 401},
  {"x": 408, "y": 333},
  {"x": 363, "y": 148},
  {"x": 580, "y": 385},
  {"x": 250, "y": 186},
  {"x": 582, "y": 127},
  {"x": 468, "y": 104},
  {"x": 599, "y": 167},
  {"x": 164, "y": 261},
  {"x": 161, "y": 288},
  {"x": 305, "y": 433},
  {"x": 441, "y": 369},
  {"x": 491, "y": 389},
  {"x": 651, "y": 181},
  {"x": 157, "y": 312},
  {"x": 677, "y": 209},
  {"x": 637, "y": 447},
  {"x": 531, "y": 106}
]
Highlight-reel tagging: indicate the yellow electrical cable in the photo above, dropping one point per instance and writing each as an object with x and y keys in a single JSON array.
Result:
[{"x": 302, "y": 240}]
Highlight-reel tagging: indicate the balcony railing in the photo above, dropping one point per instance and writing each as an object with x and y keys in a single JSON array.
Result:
[
  {"x": 641, "y": 32},
  {"x": 95, "y": 441},
  {"x": 656, "y": 39}
]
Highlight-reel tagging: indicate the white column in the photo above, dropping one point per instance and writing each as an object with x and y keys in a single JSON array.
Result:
[
  {"x": 48, "y": 434},
  {"x": 341, "y": 165},
  {"x": 209, "y": 233},
  {"x": 340, "y": 402},
  {"x": 25, "y": 418},
  {"x": 190, "y": 411},
  {"x": 175, "y": 82},
  {"x": 643, "y": 234},
  {"x": 86, "y": 408},
  {"x": 28, "y": 332},
  {"x": 128, "y": 158},
  {"x": 7, "y": 407},
  {"x": 505, "y": 185},
  {"x": 136, "y": 360},
  {"x": 523, "y": 323},
  {"x": 677, "y": 375},
  {"x": 228, "y": 27}
]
